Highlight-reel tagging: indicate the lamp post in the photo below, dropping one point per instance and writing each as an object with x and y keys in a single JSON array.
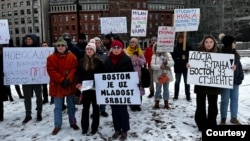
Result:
[{"x": 78, "y": 8}]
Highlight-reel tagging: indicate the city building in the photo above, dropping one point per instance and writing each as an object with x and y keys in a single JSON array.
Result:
[{"x": 24, "y": 17}]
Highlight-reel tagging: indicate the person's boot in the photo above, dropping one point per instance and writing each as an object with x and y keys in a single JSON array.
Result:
[
  {"x": 223, "y": 121},
  {"x": 188, "y": 98},
  {"x": 39, "y": 116},
  {"x": 175, "y": 97},
  {"x": 166, "y": 104},
  {"x": 156, "y": 106},
  {"x": 151, "y": 95},
  {"x": 45, "y": 100},
  {"x": 1, "y": 115},
  {"x": 51, "y": 100}
]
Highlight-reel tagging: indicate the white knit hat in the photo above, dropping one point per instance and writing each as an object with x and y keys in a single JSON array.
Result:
[
  {"x": 92, "y": 41},
  {"x": 91, "y": 45}
]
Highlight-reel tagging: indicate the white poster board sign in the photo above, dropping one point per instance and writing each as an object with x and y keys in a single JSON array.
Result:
[
  {"x": 211, "y": 69},
  {"x": 26, "y": 65},
  {"x": 139, "y": 23},
  {"x": 114, "y": 25},
  {"x": 4, "y": 31},
  {"x": 166, "y": 38},
  {"x": 117, "y": 88},
  {"x": 186, "y": 19}
]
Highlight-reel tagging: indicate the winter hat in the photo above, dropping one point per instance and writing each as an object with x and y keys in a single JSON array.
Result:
[
  {"x": 92, "y": 41},
  {"x": 97, "y": 39},
  {"x": 154, "y": 38},
  {"x": 66, "y": 36},
  {"x": 82, "y": 36},
  {"x": 226, "y": 40},
  {"x": 92, "y": 46},
  {"x": 116, "y": 43},
  {"x": 61, "y": 41}
]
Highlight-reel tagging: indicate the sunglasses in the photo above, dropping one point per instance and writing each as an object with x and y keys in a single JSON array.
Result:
[
  {"x": 60, "y": 45},
  {"x": 116, "y": 47}
]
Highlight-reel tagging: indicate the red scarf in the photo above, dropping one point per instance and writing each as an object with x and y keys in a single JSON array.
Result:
[{"x": 115, "y": 58}]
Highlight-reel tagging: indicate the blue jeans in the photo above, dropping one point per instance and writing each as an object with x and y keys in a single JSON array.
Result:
[
  {"x": 233, "y": 95},
  {"x": 58, "y": 110},
  {"x": 177, "y": 84},
  {"x": 165, "y": 94}
]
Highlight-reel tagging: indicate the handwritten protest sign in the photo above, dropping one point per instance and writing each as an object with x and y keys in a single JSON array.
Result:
[
  {"x": 186, "y": 19},
  {"x": 211, "y": 69},
  {"x": 114, "y": 25},
  {"x": 117, "y": 88},
  {"x": 26, "y": 65},
  {"x": 139, "y": 23},
  {"x": 166, "y": 37},
  {"x": 4, "y": 31}
]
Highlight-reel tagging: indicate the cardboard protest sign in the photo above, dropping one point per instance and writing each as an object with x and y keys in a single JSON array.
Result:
[
  {"x": 114, "y": 25},
  {"x": 186, "y": 19},
  {"x": 117, "y": 88},
  {"x": 166, "y": 38},
  {"x": 26, "y": 65},
  {"x": 211, "y": 69},
  {"x": 139, "y": 23},
  {"x": 4, "y": 31}
]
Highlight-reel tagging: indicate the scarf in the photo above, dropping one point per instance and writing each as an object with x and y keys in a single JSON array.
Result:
[
  {"x": 115, "y": 58},
  {"x": 137, "y": 50}
]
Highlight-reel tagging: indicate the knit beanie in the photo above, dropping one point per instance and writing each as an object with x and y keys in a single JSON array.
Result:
[
  {"x": 116, "y": 43},
  {"x": 226, "y": 40},
  {"x": 97, "y": 39},
  {"x": 92, "y": 41},
  {"x": 91, "y": 45},
  {"x": 61, "y": 41}
]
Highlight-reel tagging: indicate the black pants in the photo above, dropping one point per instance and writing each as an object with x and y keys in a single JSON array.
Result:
[
  {"x": 1, "y": 109},
  {"x": 45, "y": 91},
  {"x": 205, "y": 119},
  {"x": 89, "y": 97}
]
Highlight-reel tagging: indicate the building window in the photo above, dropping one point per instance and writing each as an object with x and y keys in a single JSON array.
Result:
[
  {"x": 61, "y": 27},
  {"x": 36, "y": 20},
  {"x": 92, "y": 17},
  {"x": 17, "y": 41},
  {"x": 11, "y": 31},
  {"x": 3, "y": 14},
  {"x": 37, "y": 29},
  {"x": 144, "y": 5},
  {"x": 3, "y": 5},
  {"x": 8, "y": 5},
  {"x": 85, "y": 17},
  {"x": 21, "y": 3},
  {"x": 86, "y": 27},
  {"x": 60, "y": 18},
  {"x": 150, "y": 16},
  {"x": 15, "y": 13},
  {"x": 15, "y": 4},
  {"x": 55, "y": 28},
  {"x": 16, "y": 30},
  {"x": 30, "y": 29},
  {"x": 54, "y": 19},
  {"x": 35, "y": 11},
  {"x": 66, "y": 18},
  {"x": 168, "y": 17},
  {"x": 23, "y": 30},
  {"x": 10, "y": 21},
  {"x": 72, "y": 18},
  {"x": 16, "y": 21},
  {"x": 73, "y": 27},
  {"x": 9, "y": 13},
  {"x": 28, "y": 11},
  {"x": 29, "y": 20},
  {"x": 138, "y": 5},
  {"x": 22, "y": 21},
  {"x": 93, "y": 27},
  {"x": 21, "y": 12},
  {"x": 67, "y": 27},
  {"x": 28, "y": 3}
]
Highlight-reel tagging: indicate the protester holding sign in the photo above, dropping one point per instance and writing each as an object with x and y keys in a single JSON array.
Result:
[
  {"x": 232, "y": 94},
  {"x": 31, "y": 40},
  {"x": 148, "y": 56},
  {"x": 161, "y": 63},
  {"x": 135, "y": 52},
  {"x": 180, "y": 56},
  {"x": 203, "y": 120},
  {"x": 87, "y": 67},
  {"x": 118, "y": 61},
  {"x": 61, "y": 67}
]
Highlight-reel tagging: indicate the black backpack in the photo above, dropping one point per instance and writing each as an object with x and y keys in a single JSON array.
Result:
[{"x": 145, "y": 77}]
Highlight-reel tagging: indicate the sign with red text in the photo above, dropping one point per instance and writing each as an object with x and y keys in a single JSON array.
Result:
[
  {"x": 166, "y": 38},
  {"x": 139, "y": 23},
  {"x": 4, "y": 31},
  {"x": 26, "y": 65},
  {"x": 186, "y": 19},
  {"x": 114, "y": 25},
  {"x": 117, "y": 88},
  {"x": 211, "y": 69}
]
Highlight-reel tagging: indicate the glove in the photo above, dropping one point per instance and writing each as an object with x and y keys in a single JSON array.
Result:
[{"x": 65, "y": 83}]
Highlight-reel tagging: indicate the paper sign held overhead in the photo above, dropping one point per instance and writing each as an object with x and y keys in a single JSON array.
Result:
[
  {"x": 4, "y": 31},
  {"x": 139, "y": 23},
  {"x": 114, "y": 25}
]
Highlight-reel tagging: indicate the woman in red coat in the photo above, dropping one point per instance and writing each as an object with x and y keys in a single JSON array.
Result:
[{"x": 61, "y": 67}]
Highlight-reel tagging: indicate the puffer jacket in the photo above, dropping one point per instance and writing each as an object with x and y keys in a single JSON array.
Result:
[
  {"x": 60, "y": 67},
  {"x": 156, "y": 63}
]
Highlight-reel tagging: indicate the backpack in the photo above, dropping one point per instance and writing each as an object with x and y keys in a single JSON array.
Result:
[{"x": 145, "y": 77}]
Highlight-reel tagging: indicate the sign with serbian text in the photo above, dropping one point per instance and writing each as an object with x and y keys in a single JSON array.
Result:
[
  {"x": 114, "y": 25},
  {"x": 166, "y": 37},
  {"x": 211, "y": 69},
  {"x": 139, "y": 23},
  {"x": 4, "y": 31},
  {"x": 26, "y": 65},
  {"x": 186, "y": 19},
  {"x": 117, "y": 88}
]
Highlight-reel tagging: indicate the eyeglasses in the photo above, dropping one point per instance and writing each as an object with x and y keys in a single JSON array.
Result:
[
  {"x": 116, "y": 47},
  {"x": 60, "y": 45}
]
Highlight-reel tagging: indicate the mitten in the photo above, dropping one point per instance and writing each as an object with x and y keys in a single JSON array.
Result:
[{"x": 65, "y": 83}]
